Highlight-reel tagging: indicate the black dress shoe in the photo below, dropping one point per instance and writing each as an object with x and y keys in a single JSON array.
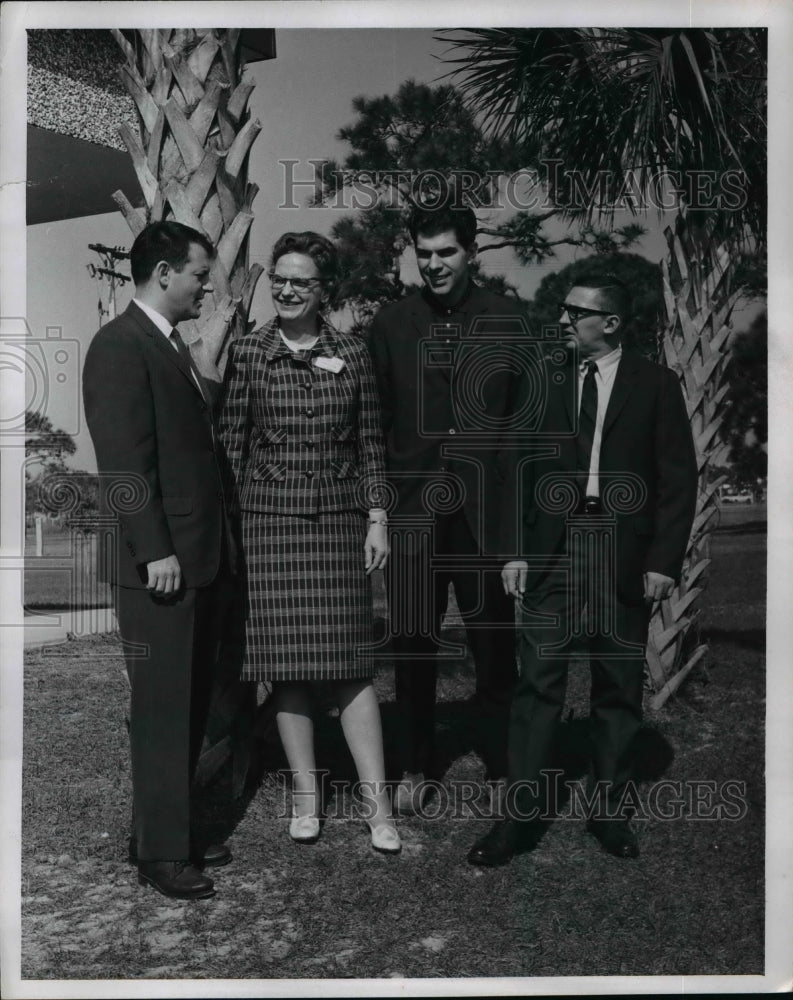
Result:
[
  {"x": 505, "y": 839},
  {"x": 214, "y": 856},
  {"x": 615, "y": 836},
  {"x": 177, "y": 879}
]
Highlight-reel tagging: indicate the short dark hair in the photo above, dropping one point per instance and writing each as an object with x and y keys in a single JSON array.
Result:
[
  {"x": 168, "y": 241},
  {"x": 613, "y": 294},
  {"x": 318, "y": 248},
  {"x": 425, "y": 221}
]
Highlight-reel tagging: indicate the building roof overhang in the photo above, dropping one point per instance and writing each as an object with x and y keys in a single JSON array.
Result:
[{"x": 70, "y": 178}]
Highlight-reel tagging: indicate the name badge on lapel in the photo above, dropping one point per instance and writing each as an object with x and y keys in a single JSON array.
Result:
[{"x": 334, "y": 365}]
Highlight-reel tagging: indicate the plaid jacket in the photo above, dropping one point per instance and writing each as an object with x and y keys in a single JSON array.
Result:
[{"x": 302, "y": 438}]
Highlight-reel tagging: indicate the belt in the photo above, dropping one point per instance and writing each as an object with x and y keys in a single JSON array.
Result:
[{"x": 589, "y": 506}]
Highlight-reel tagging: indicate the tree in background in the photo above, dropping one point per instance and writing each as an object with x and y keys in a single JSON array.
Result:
[
  {"x": 44, "y": 444},
  {"x": 415, "y": 146},
  {"x": 629, "y": 117},
  {"x": 47, "y": 447},
  {"x": 746, "y": 418},
  {"x": 191, "y": 160},
  {"x": 70, "y": 496}
]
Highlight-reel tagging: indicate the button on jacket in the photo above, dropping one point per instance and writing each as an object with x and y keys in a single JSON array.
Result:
[
  {"x": 302, "y": 437},
  {"x": 448, "y": 379}
]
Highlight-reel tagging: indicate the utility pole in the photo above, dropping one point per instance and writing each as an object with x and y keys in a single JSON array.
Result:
[{"x": 107, "y": 272}]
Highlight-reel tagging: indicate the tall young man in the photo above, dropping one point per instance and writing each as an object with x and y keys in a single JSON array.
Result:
[{"x": 446, "y": 393}]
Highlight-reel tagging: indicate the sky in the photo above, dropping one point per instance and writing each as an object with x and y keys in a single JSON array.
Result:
[{"x": 302, "y": 98}]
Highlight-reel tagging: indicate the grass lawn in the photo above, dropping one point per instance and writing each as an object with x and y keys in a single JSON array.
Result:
[
  {"x": 692, "y": 904},
  {"x": 64, "y": 576}
]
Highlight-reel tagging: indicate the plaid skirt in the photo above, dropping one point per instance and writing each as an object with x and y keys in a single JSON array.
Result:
[{"x": 309, "y": 607}]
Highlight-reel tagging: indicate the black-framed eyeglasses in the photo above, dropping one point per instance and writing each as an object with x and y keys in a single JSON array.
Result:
[
  {"x": 579, "y": 312},
  {"x": 279, "y": 282}
]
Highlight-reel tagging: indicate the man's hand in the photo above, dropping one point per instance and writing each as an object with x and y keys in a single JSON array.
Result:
[
  {"x": 165, "y": 576},
  {"x": 657, "y": 587},
  {"x": 513, "y": 577}
]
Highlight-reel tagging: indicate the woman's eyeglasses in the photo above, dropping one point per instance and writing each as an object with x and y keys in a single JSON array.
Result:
[{"x": 278, "y": 282}]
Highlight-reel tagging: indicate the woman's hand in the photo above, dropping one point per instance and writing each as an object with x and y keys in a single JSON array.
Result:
[{"x": 376, "y": 547}]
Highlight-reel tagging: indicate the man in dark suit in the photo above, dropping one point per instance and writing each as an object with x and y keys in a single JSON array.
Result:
[
  {"x": 150, "y": 417},
  {"x": 607, "y": 506},
  {"x": 445, "y": 363}
]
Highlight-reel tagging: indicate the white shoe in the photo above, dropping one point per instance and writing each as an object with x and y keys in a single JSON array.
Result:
[
  {"x": 304, "y": 829},
  {"x": 385, "y": 838}
]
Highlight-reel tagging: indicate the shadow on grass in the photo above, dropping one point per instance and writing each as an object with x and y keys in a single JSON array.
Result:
[
  {"x": 745, "y": 528},
  {"x": 218, "y": 813},
  {"x": 752, "y": 638}
]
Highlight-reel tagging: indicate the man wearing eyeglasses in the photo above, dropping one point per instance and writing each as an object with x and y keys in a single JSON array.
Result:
[{"x": 605, "y": 523}]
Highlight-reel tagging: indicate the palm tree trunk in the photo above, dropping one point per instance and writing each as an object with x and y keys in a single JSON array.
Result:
[
  {"x": 191, "y": 161},
  {"x": 698, "y": 303}
]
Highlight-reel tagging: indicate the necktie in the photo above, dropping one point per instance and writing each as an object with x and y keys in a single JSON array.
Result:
[
  {"x": 181, "y": 346},
  {"x": 587, "y": 415},
  {"x": 184, "y": 353}
]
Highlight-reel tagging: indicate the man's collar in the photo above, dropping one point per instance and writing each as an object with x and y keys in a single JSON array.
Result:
[
  {"x": 605, "y": 362},
  {"x": 157, "y": 318},
  {"x": 610, "y": 360},
  {"x": 443, "y": 308}
]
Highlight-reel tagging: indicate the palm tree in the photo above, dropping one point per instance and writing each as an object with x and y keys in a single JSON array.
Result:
[
  {"x": 649, "y": 113},
  {"x": 190, "y": 156}
]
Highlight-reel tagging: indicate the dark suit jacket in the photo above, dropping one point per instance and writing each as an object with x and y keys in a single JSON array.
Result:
[
  {"x": 300, "y": 438},
  {"x": 448, "y": 383},
  {"x": 155, "y": 448},
  {"x": 648, "y": 476}
]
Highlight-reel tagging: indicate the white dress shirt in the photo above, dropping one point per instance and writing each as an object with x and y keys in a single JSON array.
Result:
[
  {"x": 159, "y": 321},
  {"x": 167, "y": 329},
  {"x": 604, "y": 378}
]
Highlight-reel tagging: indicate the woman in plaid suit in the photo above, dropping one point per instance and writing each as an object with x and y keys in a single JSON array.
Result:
[{"x": 301, "y": 425}]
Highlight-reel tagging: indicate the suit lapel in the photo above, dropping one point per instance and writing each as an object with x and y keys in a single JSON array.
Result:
[
  {"x": 624, "y": 381},
  {"x": 561, "y": 397},
  {"x": 571, "y": 398},
  {"x": 163, "y": 345}
]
